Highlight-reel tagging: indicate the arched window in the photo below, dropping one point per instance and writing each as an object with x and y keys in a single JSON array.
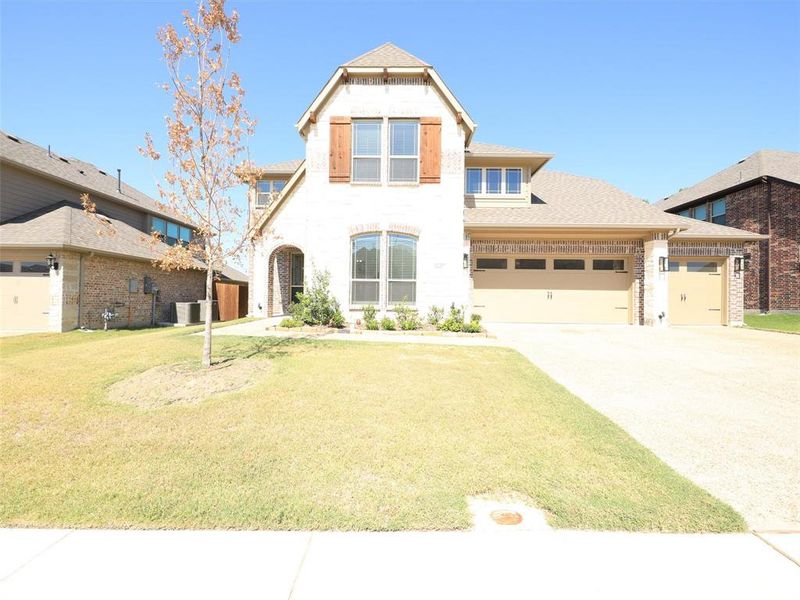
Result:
[
  {"x": 365, "y": 269},
  {"x": 402, "y": 278}
]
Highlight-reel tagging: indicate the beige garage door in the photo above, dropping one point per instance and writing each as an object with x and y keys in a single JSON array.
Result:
[
  {"x": 24, "y": 296},
  {"x": 526, "y": 289},
  {"x": 695, "y": 291}
]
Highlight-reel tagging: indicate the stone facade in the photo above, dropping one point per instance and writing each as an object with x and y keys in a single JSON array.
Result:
[{"x": 105, "y": 284}]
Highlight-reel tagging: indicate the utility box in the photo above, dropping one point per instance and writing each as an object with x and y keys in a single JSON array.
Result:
[
  {"x": 214, "y": 310},
  {"x": 186, "y": 313}
]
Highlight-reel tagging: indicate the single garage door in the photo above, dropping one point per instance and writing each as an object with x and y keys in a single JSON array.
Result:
[
  {"x": 695, "y": 291},
  {"x": 24, "y": 295},
  {"x": 535, "y": 289}
]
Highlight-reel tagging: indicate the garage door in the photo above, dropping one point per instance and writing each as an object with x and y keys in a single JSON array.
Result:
[
  {"x": 695, "y": 291},
  {"x": 24, "y": 295},
  {"x": 531, "y": 289}
]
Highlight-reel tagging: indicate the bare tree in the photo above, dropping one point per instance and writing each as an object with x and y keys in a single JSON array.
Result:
[{"x": 205, "y": 143}]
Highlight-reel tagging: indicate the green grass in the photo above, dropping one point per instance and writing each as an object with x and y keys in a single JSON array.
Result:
[
  {"x": 774, "y": 322},
  {"x": 335, "y": 435}
]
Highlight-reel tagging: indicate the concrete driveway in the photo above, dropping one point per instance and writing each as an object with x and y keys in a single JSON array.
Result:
[{"x": 720, "y": 405}]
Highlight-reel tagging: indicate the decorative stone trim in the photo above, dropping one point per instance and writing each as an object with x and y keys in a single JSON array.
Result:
[
  {"x": 705, "y": 248},
  {"x": 364, "y": 228},
  {"x": 394, "y": 80},
  {"x": 407, "y": 229}
]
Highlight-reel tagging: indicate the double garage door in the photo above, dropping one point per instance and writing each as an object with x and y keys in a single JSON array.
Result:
[{"x": 539, "y": 289}]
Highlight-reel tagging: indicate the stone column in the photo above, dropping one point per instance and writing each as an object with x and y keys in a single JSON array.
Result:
[{"x": 656, "y": 283}]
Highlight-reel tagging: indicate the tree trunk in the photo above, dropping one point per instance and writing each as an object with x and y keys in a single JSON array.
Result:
[{"x": 209, "y": 315}]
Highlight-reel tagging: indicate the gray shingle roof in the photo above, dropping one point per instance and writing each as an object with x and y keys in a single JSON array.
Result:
[
  {"x": 484, "y": 149},
  {"x": 566, "y": 200},
  {"x": 67, "y": 225},
  {"x": 82, "y": 175},
  {"x": 386, "y": 55},
  {"x": 287, "y": 167},
  {"x": 780, "y": 164}
]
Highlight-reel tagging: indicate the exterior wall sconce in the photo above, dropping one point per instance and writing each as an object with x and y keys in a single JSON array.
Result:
[
  {"x": 738, "y": 264},
  {"x": 466, "y": 260},
  {"x": 663, "y": 264},
  {"x": 52, "y": 262}
]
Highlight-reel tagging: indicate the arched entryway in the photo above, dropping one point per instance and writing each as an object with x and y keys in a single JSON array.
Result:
[{"x": 285, "y": 278}]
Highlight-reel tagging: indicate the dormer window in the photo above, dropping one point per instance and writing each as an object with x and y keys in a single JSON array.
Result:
[
  {"x": 474, "y": 181},
  {"x": 266, "y": 188},
  {"x": 171, "y": 233},
  {"x": 513, "y": 181},
  {"x": 494, "y": 181}
]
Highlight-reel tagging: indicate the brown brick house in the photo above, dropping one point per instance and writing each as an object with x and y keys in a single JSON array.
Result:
[
  {"x": 760, "y": 194},
  {"x": 95, "y": 266}
]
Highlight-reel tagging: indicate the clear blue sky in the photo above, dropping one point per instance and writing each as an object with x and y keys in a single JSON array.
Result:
[{"x": 649, "y": 96}]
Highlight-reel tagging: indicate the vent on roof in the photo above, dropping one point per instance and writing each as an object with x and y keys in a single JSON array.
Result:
[
  {"x": 61, "y": 158},
  {"x": 13, "y": 139},
  {"x": 102, "y": 172},
  {"x": 82, "y": 172}
]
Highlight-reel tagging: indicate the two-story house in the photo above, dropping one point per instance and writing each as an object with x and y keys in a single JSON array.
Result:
[
  {"x": 760, "y": 193},
  {"x": 398, "y": 203},
  {"x": 62, "y": 268}
]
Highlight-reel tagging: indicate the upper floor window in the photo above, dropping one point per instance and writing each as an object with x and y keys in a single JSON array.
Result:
[
  {"x": 709, "y": 211},
  {"x": 494, "y": 181},
  {"x": 367, "y": 150},
  {"x": 266, "y": 188},
  {"x": 403, "y": 150},
  {"x": 718, "y": 212},
  {"x": 474, "y": 181},
  {"x": 171, "y": 233},
  {"x": 700, "y": 212}
]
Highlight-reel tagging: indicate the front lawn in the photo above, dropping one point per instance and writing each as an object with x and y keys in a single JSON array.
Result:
[
  {"x": 333, "y": 435},
  {"x": 774, "y": 322}
]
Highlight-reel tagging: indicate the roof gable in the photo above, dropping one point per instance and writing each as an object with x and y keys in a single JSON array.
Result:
[
  {"x": 779, "y": 164},
  {"x": 386, "y": 55}
]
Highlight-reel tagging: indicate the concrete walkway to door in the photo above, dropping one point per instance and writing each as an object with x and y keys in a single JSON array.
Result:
[{"x": 720, "y": 405}]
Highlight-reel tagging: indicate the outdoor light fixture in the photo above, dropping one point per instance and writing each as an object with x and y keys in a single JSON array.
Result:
[
  {"x": 51, "y": 261},
  {"x": 663, "y": 264},
  {"x": 738, "y": 264},
  {"x": 466, "y": 260}
]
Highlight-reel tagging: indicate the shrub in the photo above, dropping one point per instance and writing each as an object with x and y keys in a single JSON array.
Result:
[
  {"x": 372, "y": 325},
  {"x": 471, "y": 327},
  {"x": 387, "y": 324},
  {"x": 291, "y": 322},
  {"x": 337, "y": 320},
  {"x": 454, "y": 321},
  {"x": 475, "y": 318},
  {"x": 407, "y": 317},
  {"x": 435, "y": 315},
  {"x": 370, "y": 317},
  {"x": 316, "y": 306}
]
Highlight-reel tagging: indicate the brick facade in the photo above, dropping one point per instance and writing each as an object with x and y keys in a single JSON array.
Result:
[
  {"x": 104, "y": 282},
  {"x": 770, "y": 207}
]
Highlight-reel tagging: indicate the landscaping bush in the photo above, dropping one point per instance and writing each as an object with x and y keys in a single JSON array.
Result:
[
  {"x": 291, "y": 322},
  {"x": 316, "y": 306},
  {"x": 337, "y": 320},
  {"x": 475, "y": 317},
  {"x": 435, "y": 315},
  {"x": 387, "y": 324},
  {"x": 407, "y": 317},
  {"x": 471, "y": 327},
  {"x": 370, "y": 318},
  {"x": 454, "y": 321}
]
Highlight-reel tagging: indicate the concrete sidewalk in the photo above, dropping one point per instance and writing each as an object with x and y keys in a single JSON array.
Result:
[{"x": 119, "y": 564}]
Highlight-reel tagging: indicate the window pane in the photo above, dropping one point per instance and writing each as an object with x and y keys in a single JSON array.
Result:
[
  {"x": 403, "y": 169},
  {"x": 403, "y": 138},
  {"x": 38, "y": 266},
  {"x": 513, "y": 181},
  {"x": 366, "y": 138},
  {"x": 365, "y": 292},
  {"x": 366, "y": 257},
  {"x": 6, "y": 266},
  {"x": 172, "y": 233},
  {"x": 297, "y": 269},
  {"x": 160, "y": 225},
  {"x": 701, "y": 267},
  {"x": 402, "y": 257},
  {"x": 402, "y": 291},
  {"x": 701, "y": 212},
  {"x": 718, "y": 211},
  {"x": 278, "y": 186},
  {"x": 366, "y": 169},
  {"x": 493, "y": 179},
  {"x": 608, "y": 265},
  {"x": 686, "y": 213},
  {"x": 492, "y": 263},
  {"x": 674, "y": 266},
  {"x": 186, "y": 234},
  {"x": 474, "y": 181},
  {"x": 530, "y": 263},
  {"x": 719, "y": 219},
  {"x": 264, "y": 187},
  {"x": 569, "y": 264}
]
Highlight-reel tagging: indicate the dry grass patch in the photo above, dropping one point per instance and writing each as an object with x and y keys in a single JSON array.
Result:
[{"x": 186, "y": 383}]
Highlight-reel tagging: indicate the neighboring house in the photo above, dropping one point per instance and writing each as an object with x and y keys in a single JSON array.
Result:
[
  {"x": 398, "y": 203},
  {"x": 760, "y": 193},
  {"x": 104, "y": 261}
]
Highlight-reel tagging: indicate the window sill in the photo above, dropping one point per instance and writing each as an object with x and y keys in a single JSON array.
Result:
[
  {"x": 409, "y": 184},
  {"x": 367, "y": 183}
]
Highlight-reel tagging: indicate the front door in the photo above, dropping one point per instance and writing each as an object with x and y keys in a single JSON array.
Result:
[{"x": 296, "y": 276}]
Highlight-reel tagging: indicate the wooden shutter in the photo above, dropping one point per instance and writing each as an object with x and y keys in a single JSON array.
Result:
[
  {"x": 430, "y": 151},
  {"x": 339, "y": 156}
]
